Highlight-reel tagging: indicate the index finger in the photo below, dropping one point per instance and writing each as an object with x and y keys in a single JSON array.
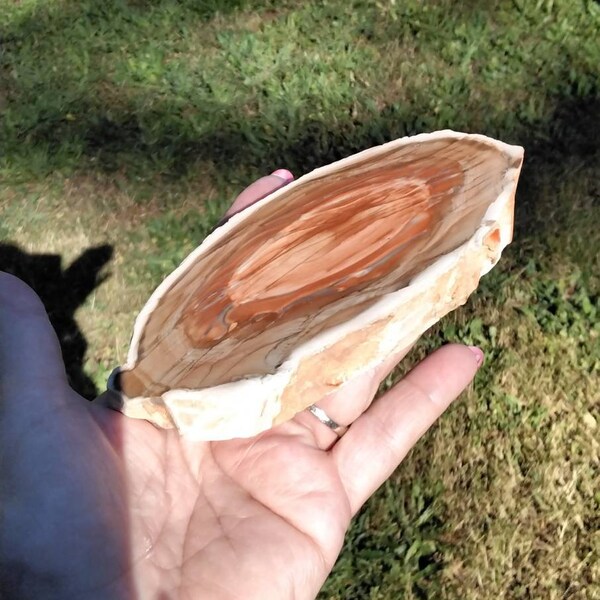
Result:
[{"x": 377, "y": 441}]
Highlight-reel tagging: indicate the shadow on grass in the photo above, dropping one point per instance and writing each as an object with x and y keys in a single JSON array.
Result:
[
  {"x": 114, "y": 137},
  {"x": 67, "y": 118},
  {"x": 555, "y": 151},
  {"x": 62, "y": 291},
  {"x": 110, "y": 134},
  {"x": 557, "y": 147},
  {"x": 54, "y": 114}
]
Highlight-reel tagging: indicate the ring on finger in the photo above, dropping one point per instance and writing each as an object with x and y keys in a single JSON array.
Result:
[{"x": 320, "y": 414}]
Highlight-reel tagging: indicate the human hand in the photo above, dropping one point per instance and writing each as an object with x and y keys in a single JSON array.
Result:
[{"x": 96, "y": 505}]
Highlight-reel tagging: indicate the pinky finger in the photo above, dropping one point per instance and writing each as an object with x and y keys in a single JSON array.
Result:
[{"x": 257, "y": 191}]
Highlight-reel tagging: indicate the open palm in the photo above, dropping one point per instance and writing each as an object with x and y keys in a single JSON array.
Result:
[{"x": 96, "y": 505}]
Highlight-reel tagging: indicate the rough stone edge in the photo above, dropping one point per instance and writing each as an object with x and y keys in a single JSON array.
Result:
[{"x": 244, "y": 408}]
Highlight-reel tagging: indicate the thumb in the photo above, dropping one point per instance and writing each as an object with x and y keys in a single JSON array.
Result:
[{"x": 30, "y": 357}]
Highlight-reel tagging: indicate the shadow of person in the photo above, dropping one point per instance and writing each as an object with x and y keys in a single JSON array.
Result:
[{"x": 62, "y": 292}]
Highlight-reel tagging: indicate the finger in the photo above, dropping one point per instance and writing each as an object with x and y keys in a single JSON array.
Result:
[
  {"x": 378, "y": 441},
  {"x": 30, "y": 356},
  {"x": 258, "y": 190},
  {"x": 346, "y": 404}
]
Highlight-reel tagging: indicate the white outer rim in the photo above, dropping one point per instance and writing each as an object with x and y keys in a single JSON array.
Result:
[{"x": 277, "y": 381}]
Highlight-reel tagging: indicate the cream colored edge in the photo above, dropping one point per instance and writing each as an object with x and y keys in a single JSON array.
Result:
[{"x": 224, "y": 415}]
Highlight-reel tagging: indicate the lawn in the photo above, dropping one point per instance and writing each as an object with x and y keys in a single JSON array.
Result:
[{"x": 126, "y": 127}]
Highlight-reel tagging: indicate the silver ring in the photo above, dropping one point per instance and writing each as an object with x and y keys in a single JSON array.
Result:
[{"x": 338, "y": 429}]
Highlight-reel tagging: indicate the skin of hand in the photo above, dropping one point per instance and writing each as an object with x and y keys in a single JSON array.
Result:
[{"x": 96, "y": 505}]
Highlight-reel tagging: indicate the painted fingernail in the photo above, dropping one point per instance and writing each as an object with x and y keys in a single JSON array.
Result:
[
  {"x": 478, "y": 352},
  {"x": 284, "y": 174}
]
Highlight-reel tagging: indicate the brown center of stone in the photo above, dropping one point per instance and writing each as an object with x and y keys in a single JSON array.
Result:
[{"x": 345, "y": 236}]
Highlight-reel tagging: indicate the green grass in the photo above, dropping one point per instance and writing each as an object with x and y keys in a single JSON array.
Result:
[{"x": 133, "y": 124}]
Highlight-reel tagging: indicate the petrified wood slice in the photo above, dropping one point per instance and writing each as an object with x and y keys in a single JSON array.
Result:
[{"x": 319, "y": 281}]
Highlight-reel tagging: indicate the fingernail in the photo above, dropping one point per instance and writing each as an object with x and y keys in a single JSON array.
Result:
[
  {"x": 284, "y": 174},
  {"x": 478, "y": 352}
]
